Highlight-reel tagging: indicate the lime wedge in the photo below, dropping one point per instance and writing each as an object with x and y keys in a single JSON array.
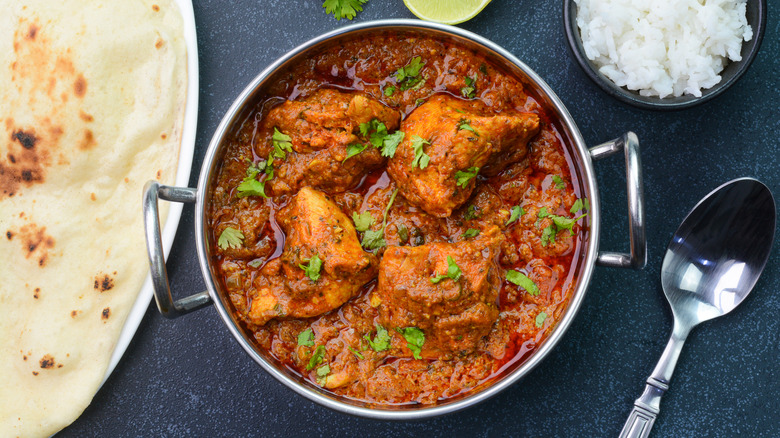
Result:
[{"x": 446, "y": 11}]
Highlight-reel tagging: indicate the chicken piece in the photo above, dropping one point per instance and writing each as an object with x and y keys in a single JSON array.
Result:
[
  {"x": 456, "y": 311},
  {"x": 460, "y": 137},
  {"x": 314, "y": 227},
  {"x": 320, "y": 128}
]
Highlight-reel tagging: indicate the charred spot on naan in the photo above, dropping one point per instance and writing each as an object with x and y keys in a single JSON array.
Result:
[
  {"x": 35, "y": 242},
  {"x": 106, "y": 314},
  {"x": 103, "y": 282}
]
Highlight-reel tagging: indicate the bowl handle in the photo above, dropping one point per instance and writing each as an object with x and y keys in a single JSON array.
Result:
[
  {"x": 162, "y": 289},
  {"x": 629, "y": 143}
]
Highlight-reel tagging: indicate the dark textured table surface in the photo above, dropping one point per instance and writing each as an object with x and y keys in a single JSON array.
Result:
[{"x": 188, "y": 377}]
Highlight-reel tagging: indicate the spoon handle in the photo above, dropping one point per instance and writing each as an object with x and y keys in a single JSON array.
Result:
[{"x": 646, "y": 407}]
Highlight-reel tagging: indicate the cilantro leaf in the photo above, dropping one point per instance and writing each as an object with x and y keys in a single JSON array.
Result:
[
  {"x": 230, "y": 238},
  {"x": 469, "y": 90},
  {"x": 415, "y": 338},
  {"x": 322, "y": 374},
  {"x": 362, "y": 221},
  {"x": 471, "y": 232},
  {"x": 464, "y": 125},
  {"x": 421, "y": 159},
  {"x": 453, "y": 272},
  {"x": 374, "y": 239},
  {"x": 376, "y": 132},
  {"x": 389, "y": 90},
  {"x": 579, "y": 205},
  {"x": 353, "y": 150},
  {"x": 356, "y": 353},
  {"x": 520, "y": 279},
  {"x": 472, "y": 212},
  {"x": 515, "y": 213},
  {"x": 542, "y": 213},
  {"x": 251, "y": 187},
  {"x": 408, "y": 75},
  {"x": 540, "y": 318},
  {"x": 381, "y": 341},
  {"x": 464, "y": 177},
  {"x": 548, "y": 235},
  {"x": 558, "y": 181},
  {"x": 312, "y": 270},
  {"x": 316, "y": 357},
  {"x": 390, "y": 143},
  {"x": 565, "y": 223},
  {"x": 306, "y": 338},
  {"x": 343, "y": 8},
  {"x": 282, "y": 144}
]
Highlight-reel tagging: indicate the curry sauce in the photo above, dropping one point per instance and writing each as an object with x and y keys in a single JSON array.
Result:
[{"x": 396, "y": 221}]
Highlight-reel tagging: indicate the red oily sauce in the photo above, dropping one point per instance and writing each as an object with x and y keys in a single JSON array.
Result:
[{"x": 523, "y": 204}]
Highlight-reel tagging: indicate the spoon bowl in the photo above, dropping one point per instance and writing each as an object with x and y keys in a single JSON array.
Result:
[{"x": 711, "y": 264}]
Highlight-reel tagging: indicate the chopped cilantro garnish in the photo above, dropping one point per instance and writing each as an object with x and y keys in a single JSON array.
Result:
[
  {"x": 376, "y": 132},
  {"x": 515, "y": 213},
  {"x": 558, "y": 181},
  {"x": 464, "y": 177},
  {"x": 362, "y": 221},
  {"x": 472, "y": 212},
  {"x": 453, "y": 272},
  {"x": 250, "y": 186},
  {"x": 306, "y": 338},
  {"x": 389, "y": 90},
  {"x": 580, "y": 204},
  {"x": 421, "y": 159},
  {"x": 282, "y": 144},
  {"x": 540, "y": 318},
  {"x": 316, "y": 357},
  {"x": 523, "y": 281},
  {"x": 408, "y": 75},
  {"x": 464, "y": 125},
  {"x": 381, "y": 341},
  {"x": 322, "y": 374},
  {"x": 343, "y": 8},
  {"x": 356, "y": 353},
  {"x": 354, "y": 149},
  {"x": 230, "y": 238},
  {"x": 548, "y": 235},
  {"x": 471, "y": 232},
  {"x": 469, "y": 90},
  {"x": 391, "y": 142},
  {"x": 375, "y": 239},
  {"x": 415, "y": 338},
  {"x": 560, "y": 223},
  {"x": 312, "y": 270}
]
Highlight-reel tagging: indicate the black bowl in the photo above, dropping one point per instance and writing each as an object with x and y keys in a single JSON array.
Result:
[{"x": 756, "y": 18}]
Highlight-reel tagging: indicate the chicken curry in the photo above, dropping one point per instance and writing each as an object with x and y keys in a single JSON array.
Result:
[{"x": 396, "y": 221}]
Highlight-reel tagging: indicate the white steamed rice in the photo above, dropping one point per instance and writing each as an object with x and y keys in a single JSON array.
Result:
[{"x": 663, "y": 47}]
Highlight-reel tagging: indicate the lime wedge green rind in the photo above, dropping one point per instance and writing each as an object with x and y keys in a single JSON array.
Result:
[{"x": 446, "y": 11}]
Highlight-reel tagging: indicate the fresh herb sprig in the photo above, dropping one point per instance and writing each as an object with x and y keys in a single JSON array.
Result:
[
  {"x": 343, "y": 8},
  {"x": 453, "y": 272}
]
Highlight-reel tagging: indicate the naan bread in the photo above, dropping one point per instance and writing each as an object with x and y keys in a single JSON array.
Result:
[{"x": 91, "y": 107}]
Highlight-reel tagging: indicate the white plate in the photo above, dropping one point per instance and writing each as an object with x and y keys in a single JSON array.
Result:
[{"x": 186, "y": 151}]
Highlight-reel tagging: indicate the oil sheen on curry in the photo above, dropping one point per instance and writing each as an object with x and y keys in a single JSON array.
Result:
[{"x": 397, "y": 221}]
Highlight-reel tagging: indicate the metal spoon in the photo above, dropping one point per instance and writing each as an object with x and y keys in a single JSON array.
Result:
[{"x": 712, "y": 263}]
